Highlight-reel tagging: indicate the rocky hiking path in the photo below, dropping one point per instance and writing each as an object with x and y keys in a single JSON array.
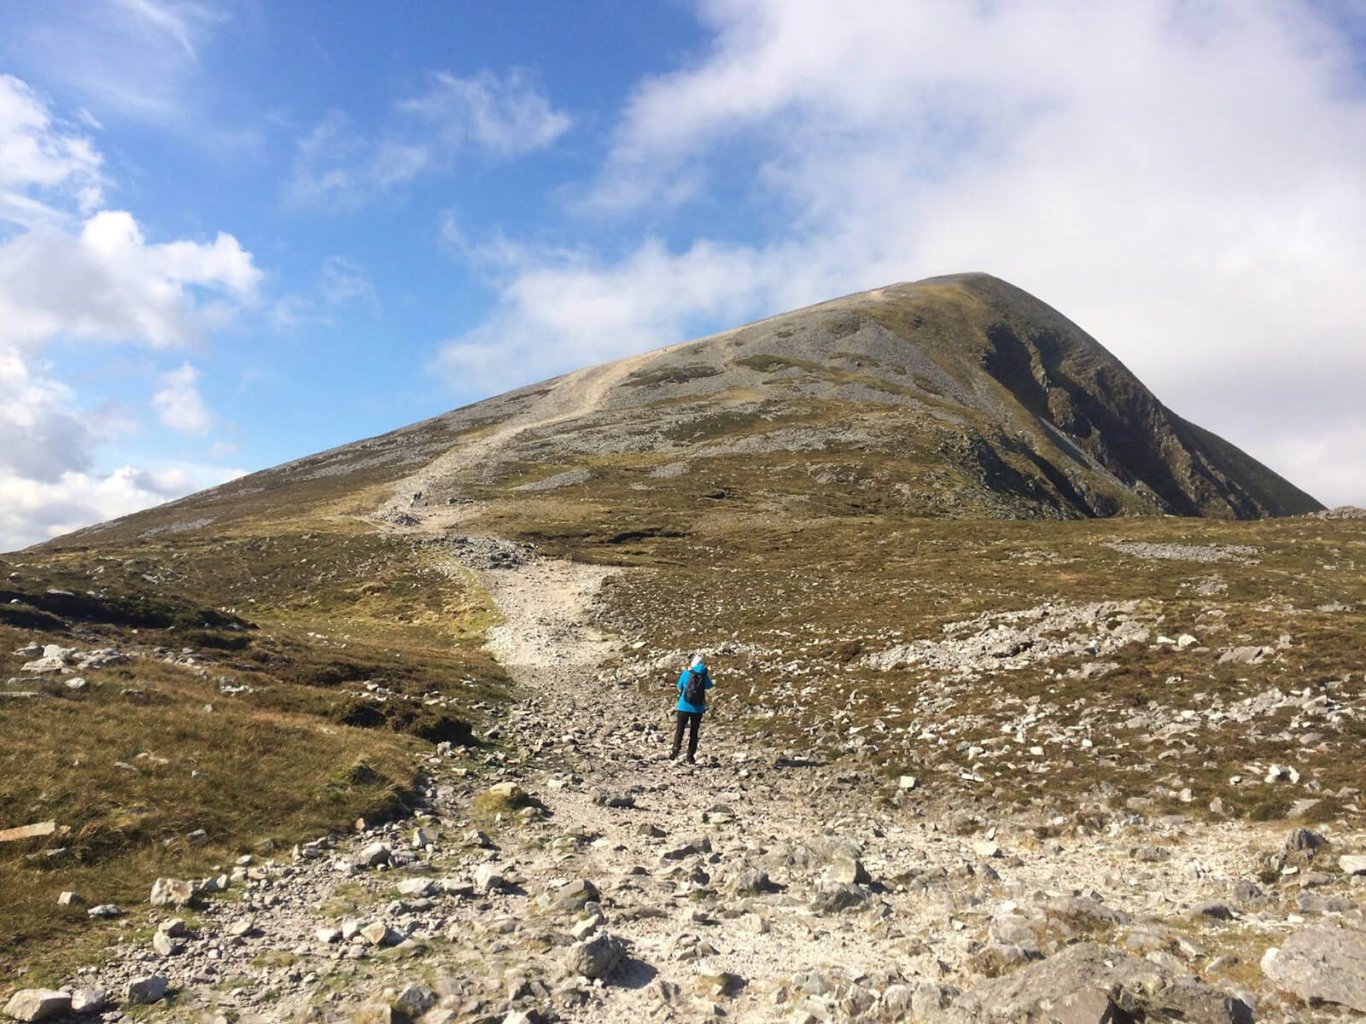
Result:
[
  {"x": 579, "y": 394},
  {"x": 566, "y": 871}
]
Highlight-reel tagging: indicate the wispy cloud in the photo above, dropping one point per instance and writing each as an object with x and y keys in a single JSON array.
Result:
[
  {"x": 505, "y": 117},
  {"x": 485, "y": 116},
  {"x": 181, "y": 23},
  {"x": 134, "y": 57},
  {"x": 342, "y": 283},
  {"x": 341, "y": 286},
  {"x": 41, "y": 158}
]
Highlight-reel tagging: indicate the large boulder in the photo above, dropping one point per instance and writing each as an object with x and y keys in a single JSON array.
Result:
[
  {"x": 844, "y": 869},
  {"x": 145, "y": 990},
  {"x": 1322, "y": 964},
  {"x": 573, "y": 896},
  {"x": 1093, "y": 984},
  {"x": 596, "y": 957},
  {"x": 373, "y": 856},
  {"x": 834, "y": 899},
  {"x": 172, "y": 892},
  {"x": 37, "y": 1004},
  {"x": 54, "y": 659}
]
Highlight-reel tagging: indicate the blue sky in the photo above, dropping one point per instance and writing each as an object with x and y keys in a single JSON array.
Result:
[{"x": 235, "y": 233}]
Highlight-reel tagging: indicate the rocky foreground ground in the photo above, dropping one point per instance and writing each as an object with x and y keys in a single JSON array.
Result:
[{"x": 568, "y": 871}]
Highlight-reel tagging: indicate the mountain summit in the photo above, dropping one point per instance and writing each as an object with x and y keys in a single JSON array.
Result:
[{"x": 952, "y": 396}]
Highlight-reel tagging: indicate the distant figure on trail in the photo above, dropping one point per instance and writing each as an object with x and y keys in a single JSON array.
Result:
[{"x": 693, "y": 684}]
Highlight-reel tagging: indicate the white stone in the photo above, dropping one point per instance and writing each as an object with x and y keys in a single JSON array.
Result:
[
  {"x": 164, "y": 944},
  {"x": 89, "y": 1000},
  {"x": 373, "y": 855},
  {"x": 1353, "y": 863},
  {"x": 586, "y": 927},
  {"x": 487, "y": 877},
  {"x": 174, "y": 892},
  {"x": 32, "y": 1004},
  {"x": 377, "y": 933}
]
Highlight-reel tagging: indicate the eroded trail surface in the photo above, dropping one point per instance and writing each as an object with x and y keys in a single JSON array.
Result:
[
  {"x": 569, "y": 871},
  {"x": 581, "y": 393}
]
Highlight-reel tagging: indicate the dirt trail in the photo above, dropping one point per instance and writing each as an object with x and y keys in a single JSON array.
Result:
[
  {"x": 578, "y": 394},
  {"x": 604, "y": 776}
]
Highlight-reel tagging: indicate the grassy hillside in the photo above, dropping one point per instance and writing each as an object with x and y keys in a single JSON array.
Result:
[{"x": 253, "y": 687}]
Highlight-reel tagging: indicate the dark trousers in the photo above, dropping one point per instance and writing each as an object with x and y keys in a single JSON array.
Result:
[{"x": 691, "y": 719}]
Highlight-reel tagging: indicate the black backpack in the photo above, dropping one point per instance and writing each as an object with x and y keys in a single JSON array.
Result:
[{"x": 696, "y": 690}]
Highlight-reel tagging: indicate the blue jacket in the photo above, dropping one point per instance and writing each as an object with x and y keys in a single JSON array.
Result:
[{"x": 683, "y": 705}]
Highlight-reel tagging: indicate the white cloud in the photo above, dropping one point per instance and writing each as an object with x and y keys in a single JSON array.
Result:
[
  {"x": 1182, "y": 180},
  {"x": 48, "y": 480},
  {"x": 560, "y": 310},
  {"x": 341, "y": 286},
  {"x": 33, "y": 511},
  {"x": 484, "y": 115},
  {"x": 179, "y": 402},
  {"x": 108, "y": 283},
  {"x": 41, "y": 435},
  {"x": 71, "y": 275},
  {"x": 36, "y": 153},
  {"x": 180, "y": 23}
]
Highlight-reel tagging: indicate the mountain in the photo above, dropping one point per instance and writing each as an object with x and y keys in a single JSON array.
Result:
[
  {"x": 978, "y": 696},
  {"x": 954, "y": 396}
]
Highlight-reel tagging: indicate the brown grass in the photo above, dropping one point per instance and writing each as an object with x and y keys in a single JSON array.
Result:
[{"x": 314, "y": 615}]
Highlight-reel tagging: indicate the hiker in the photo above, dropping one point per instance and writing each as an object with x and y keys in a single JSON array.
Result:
[{"x": 693, "y": 684}]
